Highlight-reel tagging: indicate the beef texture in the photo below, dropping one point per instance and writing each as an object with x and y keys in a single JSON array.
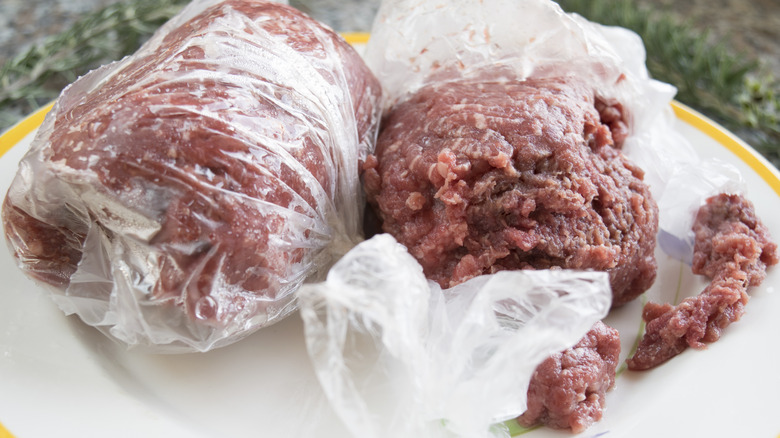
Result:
[
  {"x": 733, "y": 248},
  {"x": 476, "y": 177},
  {"x": 181, "y": 196},
  {"x": 568, "y": 390}
]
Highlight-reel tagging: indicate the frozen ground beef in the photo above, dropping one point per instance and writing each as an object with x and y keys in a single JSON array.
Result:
[
  {"x": 477, "y": 177},
  {"x": 568, "y": 390},
  {"x": 733, "y": 248}
]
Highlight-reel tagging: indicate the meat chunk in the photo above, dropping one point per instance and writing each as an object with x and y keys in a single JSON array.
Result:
[
  {"x": 733, "y": 248},
  {"x": 477, "y": 177},
  {"x": 731, "y": 241},
  {"x": 568, "y": 390},
  {"x": 202, "y": 176}
]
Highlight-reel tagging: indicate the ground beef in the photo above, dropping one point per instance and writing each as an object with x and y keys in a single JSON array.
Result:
[
  {"x": 205, "y": 157},
  {"x": 731, "y": 241},
  {"x": 568, "y": 390},
  {"x": 477, "y": 177},
  {"x": 733, "y": 248}
]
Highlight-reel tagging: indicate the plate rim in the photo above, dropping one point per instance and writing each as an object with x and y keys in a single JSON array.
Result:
[
  {"x": 746, "y": 153},
  {"x": 23, "y": 128},
  {"x": 743, "y": 151}
]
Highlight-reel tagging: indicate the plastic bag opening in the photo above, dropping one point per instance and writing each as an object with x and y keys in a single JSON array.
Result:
[{"x": 398, "y": 356}]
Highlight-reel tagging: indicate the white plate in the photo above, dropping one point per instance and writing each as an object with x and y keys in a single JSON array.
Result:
[{"x": 59, "y": 377}]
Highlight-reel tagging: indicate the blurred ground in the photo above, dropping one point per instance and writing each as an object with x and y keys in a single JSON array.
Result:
[{"x": 749, "y": 27}]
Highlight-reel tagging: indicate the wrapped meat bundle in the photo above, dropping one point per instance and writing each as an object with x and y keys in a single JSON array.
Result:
[
  {"x": 520, "y": 137},
  {"x": 179, "y": 197},
  {"x": 519, "y": 144},
  {"x": 503, "y": 144},
  {"x": 478, "y": 176}
]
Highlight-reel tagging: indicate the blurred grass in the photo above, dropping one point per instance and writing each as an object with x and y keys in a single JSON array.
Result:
[
  {"x": 36, "y": 76},
  {"x": 710, "y": 76}
]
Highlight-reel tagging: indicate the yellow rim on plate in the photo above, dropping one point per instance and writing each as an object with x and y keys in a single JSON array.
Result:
[
  {"x": 4, "y": 433},
  {"x": 742, "y": 150},
  {"x": 356, "y": 37},
  {"x": 701, "y": 123},
  {"x": 722, "y": 136},
  {"x": 14, "y": 135}
]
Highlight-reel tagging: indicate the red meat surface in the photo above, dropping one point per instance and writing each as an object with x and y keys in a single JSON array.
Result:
[
  {"x": 568, "y": 390},
  {"x": 733, "y": 248},
  {"x": 220, "y": 175},
  {"x": 479, "y": 177}
]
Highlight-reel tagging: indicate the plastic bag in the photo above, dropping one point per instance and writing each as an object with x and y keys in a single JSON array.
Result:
[
  {"x": 419, "y": 42},
  {"x": 415, "y": 43},
  {"x": 177, "y": 199},
  {"x": 398, "y": 356}
]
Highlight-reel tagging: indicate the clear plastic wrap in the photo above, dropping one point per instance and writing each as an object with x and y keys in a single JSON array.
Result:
[
  {"x": 416, "y": 42},
  {"x": 176, "y": 199},
  {"x": 398, "y": 356}
]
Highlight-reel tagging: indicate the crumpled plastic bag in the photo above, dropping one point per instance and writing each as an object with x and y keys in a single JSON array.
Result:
[
  {"x": 176, "y": 199},
  {"x": 398, "y": 356}
]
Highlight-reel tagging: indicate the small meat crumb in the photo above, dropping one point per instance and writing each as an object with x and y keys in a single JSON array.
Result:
[
  {"x": 568, "y": 390},
  {"x": 415, "y": 201},
  {"x": 733, "y": 248}
]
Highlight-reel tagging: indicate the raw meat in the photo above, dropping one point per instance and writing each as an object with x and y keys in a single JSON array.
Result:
[
  {"x": 476, "y": 177},
  {"x": 182, "y": 195},
  {"x": 568, "y": 390},
  {"x": 733, "y": 248}
]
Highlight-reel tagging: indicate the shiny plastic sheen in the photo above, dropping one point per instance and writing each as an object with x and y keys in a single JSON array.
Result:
[
  {"x": 398, "y": 356},
  {"x": 178, "y": 198}
]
